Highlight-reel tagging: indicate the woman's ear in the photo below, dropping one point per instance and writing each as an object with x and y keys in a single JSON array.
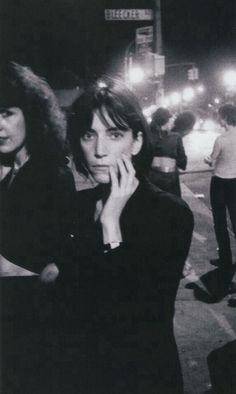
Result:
[{"x": 137, "y": 144}]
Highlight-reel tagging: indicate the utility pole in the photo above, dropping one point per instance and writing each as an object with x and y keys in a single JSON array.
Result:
[
  {"x": 157, "y": 27},
  {"x": 158, "y": 47}
]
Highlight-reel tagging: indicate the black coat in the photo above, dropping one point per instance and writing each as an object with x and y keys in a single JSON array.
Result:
[
  {"x": 170, "y": 145},
  {"x": 36, "y": 214},
  {"x": 122, "y": 301}
]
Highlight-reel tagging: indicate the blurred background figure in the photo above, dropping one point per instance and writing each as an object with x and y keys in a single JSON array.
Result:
[
  {"x": 168, "y": 153},
  {"x": 223, "y": 191},
  {"x": 184, "y": 123}
]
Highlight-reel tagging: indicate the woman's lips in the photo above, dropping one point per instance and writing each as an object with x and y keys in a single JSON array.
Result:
[
  {"x": 3, "y": 139},
  {"x": 100, "y": 167}
]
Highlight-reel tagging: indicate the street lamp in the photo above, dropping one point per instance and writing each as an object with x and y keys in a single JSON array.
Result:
[
  {"x": 175, "y": 98},
  {"x": 136, "y": 74},
  {"x": 188, "y": 94},
  {"x": 102, "y": 84},
  {"x": 200, "y": 89},
  {"x": 229, "y": 79},
  {"x": 165, "y": 102}
]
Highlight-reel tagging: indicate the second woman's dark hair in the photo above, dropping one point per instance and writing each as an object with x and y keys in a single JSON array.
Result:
[{"x": 45, "y": 122}]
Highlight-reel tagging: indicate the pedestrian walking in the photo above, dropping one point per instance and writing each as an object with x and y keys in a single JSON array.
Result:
[
  {"x": 168, "y": 153},
  {"x": 223, "y": 190}
]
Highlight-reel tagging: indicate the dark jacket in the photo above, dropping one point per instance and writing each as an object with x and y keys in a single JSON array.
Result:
[
  {"x": 124, "y": 299},
  {"x": 169, "y": 145},
  {"x": 36, "y": 214}
]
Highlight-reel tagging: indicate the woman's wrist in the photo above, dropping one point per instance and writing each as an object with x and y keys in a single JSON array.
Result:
[{"x": 111, "y": 232}]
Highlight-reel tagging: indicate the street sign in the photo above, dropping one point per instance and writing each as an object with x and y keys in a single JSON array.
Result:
[
  {"x": 133, "y": 14},
  {"x": 144, "y": 39},
  {"x": 144, "y": 34}
]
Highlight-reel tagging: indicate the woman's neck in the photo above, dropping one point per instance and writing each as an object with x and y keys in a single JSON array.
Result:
[{"x": 21, "y": 157}]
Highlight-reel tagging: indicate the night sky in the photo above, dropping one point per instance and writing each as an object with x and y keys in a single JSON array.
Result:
[{"x": 57, "y": 35}]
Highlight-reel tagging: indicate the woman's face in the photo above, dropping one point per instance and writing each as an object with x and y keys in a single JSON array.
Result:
[
  {"x": 12, "y": 130},
  {"x": 104, "y": 143}
]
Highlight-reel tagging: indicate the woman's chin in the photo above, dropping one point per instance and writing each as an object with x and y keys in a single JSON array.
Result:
[{"x": 102, "y": 178}]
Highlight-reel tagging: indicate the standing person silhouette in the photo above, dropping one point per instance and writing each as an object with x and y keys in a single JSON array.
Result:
[
  {"x": 168, "y": 153},
  {"x": 223, "y": 191}
]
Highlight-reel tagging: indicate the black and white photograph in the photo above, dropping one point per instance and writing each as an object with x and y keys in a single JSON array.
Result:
[{"x": 117, "y": 196}]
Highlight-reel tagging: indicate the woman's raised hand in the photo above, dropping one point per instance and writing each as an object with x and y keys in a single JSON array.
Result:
[{"x": 123, "y": 185}]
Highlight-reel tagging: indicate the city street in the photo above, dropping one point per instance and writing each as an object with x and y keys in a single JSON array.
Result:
[
  {"x": 201, "y": 325},
  {"x": 177, "y": 56}
]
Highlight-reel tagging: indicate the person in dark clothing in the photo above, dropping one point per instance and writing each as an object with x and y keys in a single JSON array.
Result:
[
  {"x": 131, "y": 242},
  {"x": 36, "y": 193},
  {"x": 223, "y": 193},
  {"x": 36, "y": 185},
  {"x": 168, "y": 153}
]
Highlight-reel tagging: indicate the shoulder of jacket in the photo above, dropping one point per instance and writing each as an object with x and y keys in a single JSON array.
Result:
[{"x": 167, "y": 201}]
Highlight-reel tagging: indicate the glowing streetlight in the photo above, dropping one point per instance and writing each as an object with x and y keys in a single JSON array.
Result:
[
  {"x": 136, "y": 75},
  {"x": 200, "y": 89},
  {"x": 165, "y": 102},
  {"x": 229, "y": 79},
  {"x": 102, "y": 84},
  {"x": 175, "y": 98},
  {"x": 188, "y": 94},
  {"x": 216, "y": 100}
]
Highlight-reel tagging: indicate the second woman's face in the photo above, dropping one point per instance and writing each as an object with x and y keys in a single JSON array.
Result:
[
  {"x": 12, "y": 130},
  {"x": 104, "y": 143}
]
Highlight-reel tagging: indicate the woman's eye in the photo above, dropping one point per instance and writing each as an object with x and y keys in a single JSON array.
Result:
[
  {"x": 5, "y": 113},
  {"x": 116, "y": 135},
  {"x": 88, "y": 136}
]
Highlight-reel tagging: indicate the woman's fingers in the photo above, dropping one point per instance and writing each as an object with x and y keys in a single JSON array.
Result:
[
  {"x": 123, "y": 179},
  {"x": 131, "y": 179},
  {"x": 123, "y": 174},
  {"x": 114, "y": 179},
  {"x": 130, "y": 169}
]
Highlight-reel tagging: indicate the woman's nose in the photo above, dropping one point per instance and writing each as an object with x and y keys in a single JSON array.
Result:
[{"x": 100, "y": 148}]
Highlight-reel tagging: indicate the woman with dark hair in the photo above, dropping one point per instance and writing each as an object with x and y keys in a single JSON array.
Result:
[
  {"x": 131, "y": 242},
  {"x": 36, "y": 193},
  {"x": 184, "y": 123},
  {"x": 168, "y": 153},
  {"x": 36, "y": 184}
]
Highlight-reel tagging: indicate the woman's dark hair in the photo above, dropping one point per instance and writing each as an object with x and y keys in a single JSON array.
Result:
[
  {"x": 228, "y": 113},
  {"x": 184, "y": 122},
  {"x": 160, "y": 117},
  {"x": 45, "y": 123},
  {"x": 111, "y": 96}
]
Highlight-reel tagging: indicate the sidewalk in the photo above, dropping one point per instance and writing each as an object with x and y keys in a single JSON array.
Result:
[{"x": 200, "y": 327}]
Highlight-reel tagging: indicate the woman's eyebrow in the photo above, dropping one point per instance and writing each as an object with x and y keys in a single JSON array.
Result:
[{"x": 112, "y": 128}]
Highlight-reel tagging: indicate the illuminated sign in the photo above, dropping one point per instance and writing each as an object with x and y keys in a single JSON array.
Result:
[{"x": 128, "y": 14}]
